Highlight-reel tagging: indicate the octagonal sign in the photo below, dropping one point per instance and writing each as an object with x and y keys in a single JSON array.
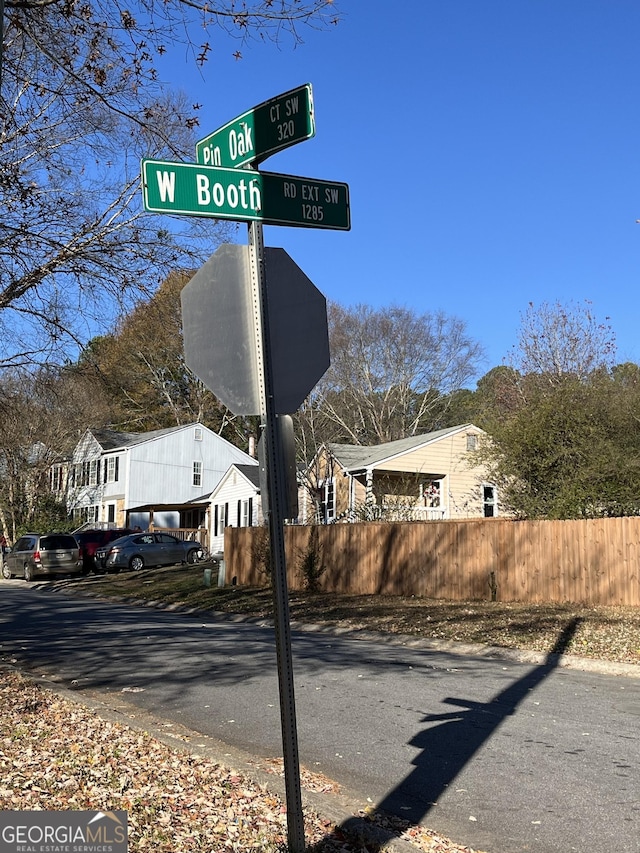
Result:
[{"x": 220, "y": 333}]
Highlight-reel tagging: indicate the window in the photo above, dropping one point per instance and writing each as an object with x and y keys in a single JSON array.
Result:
[
  {"x": 111, "y": 513},
  {"x": 220, "y": 518},
  {"x": 489, "y": 501},
  {"x": 57, "y": 480},
  {"x": 111, "y": 469},
  {"x": 245, "y": 513},
  {"x": 197, "y": 473},
  {"x": 93, "y": 471},
  {"x": 86, "y": 514},
  {"x": 432, "y": 493},
  {"x": 328, "y": 502},
  {"x": 197, "y": 434},
  {"x": 472, "y": 442}
]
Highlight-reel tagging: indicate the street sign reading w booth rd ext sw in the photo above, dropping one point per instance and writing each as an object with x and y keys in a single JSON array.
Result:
[
  {"x": 266, "y": 129},
  {"x": 245, "y": 196}
]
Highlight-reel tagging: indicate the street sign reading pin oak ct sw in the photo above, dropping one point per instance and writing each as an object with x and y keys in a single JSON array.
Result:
[
  {"x": 244, "y": 196},
  {"x": 264, "y": 130}
]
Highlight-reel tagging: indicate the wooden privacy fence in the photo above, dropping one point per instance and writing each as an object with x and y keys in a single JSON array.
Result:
[{"x": 593, "y": 561}]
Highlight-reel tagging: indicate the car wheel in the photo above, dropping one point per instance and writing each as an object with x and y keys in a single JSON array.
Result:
[
  {"x": 192, "y": 556},
  {"x": 28, "y": 573},
  {"x": 6, "y": 572},
  {"x": 136, "y": 563}
]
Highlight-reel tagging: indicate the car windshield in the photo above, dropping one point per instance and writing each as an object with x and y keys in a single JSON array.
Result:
[{"x": 57, "y": 543}]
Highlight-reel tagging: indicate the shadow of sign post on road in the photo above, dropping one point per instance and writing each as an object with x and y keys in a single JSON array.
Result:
[{"x": 448, "y": 743}]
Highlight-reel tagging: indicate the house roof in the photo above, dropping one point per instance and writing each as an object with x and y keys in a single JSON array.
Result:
[
  {"x": 110, "y": 439},
  {"x": 354, "y": 457},
  {"x": 251, "y": 473}
]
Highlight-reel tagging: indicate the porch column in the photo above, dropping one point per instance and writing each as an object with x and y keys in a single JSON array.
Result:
[{"x": 369, "y": 496}]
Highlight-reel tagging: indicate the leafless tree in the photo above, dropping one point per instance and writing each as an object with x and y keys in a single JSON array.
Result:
[
  {"x": 390, "y": 370},
  {"x": 80, "y": 104},
  {"x": 563, "y": 340},
  {"x": 41, "y": 417}
]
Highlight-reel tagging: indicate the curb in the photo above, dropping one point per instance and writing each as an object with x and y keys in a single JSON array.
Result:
[{"x": 595, "y": 665}]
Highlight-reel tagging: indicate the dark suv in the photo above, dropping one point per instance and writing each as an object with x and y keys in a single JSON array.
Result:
[
  {"x": 42, "y": 554},
  {"x": 91, "y": 541}
]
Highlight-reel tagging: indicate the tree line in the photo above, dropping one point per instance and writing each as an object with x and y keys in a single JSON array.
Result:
[{"x": 561, "y": 417}]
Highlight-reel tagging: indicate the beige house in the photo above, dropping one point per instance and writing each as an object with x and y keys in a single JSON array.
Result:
[{"x": 421, "y": 478}]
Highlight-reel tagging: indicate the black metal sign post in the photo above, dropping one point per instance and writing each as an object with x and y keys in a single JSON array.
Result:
[
  {"x": 214, "y": 187},
  {"x": 277, "y": 491}
]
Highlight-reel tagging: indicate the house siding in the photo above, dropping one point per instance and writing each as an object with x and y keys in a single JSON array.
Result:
[
  {"x": 233, "y": 487},
  {"x": 444, "y": 459},
  {"x": 448, "y": 459},
  {"x": 165, "y": 466},
  {"x": 154, "y": 470}
]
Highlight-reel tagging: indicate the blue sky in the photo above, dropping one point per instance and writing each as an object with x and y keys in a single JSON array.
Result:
[{"x": 491, "y": 149}]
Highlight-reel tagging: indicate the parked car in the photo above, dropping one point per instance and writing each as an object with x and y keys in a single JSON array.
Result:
[
  {"x": 42, "y": 554},
  {"x": 92, "y": 540},
  {"x": 147, "y": 549}
]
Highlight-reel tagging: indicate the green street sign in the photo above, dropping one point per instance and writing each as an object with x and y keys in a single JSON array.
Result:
[
  {"x": 243, "y": 195},
  {"x": 270, "y": 127}
]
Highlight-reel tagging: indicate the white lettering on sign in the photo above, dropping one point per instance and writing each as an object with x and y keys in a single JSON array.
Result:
[
  {"x": 290, "y": 189},
  {"x": 241, "y": 143},
  {"x": 314, "y": 212},
  {"x": 286, "y": 131},
  {"x": 274, "y": 113},
  {"x": 309, "y": 192},
  {"x": 331, "y": 195},
  {"x": 166, "y": 185},
  {"x": 291, "y": 106},
  {"x": 245, "y": 196},
  {"x": 212, "y": 155}
]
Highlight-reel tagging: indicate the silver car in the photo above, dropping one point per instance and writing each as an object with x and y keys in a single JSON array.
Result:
[
  {"x": 147, "y": 549},
  {"x": 42, "y": 554}
]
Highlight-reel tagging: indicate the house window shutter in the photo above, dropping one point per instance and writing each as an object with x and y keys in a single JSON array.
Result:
[
  {"x": 239, "y": 514},
  {"x": 117, "y": 467},
  {"x": 215, "y": 520},
  {"x": 250, "y": 519}
]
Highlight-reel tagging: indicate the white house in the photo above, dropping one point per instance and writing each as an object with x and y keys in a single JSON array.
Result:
[
  {"x": 112, "y": 473},
  {"x": 235, "y": 502}
]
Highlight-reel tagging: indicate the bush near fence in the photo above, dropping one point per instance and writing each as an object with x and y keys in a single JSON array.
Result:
[{"x": 592, "y": 561}]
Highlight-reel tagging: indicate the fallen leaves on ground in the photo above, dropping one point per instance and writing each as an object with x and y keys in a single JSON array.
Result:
[{"x": 56, "y": 754}]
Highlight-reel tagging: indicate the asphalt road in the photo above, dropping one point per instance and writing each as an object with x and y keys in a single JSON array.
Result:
[{"x": 502, "y": 756}]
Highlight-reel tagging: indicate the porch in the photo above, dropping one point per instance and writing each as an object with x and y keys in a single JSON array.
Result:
[{"x": 193, "y": 525}]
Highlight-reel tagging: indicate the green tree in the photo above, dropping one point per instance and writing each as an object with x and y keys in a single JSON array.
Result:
[
  {"x": 140, "y": 373},
  {"x": 564, "y": 439}
]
